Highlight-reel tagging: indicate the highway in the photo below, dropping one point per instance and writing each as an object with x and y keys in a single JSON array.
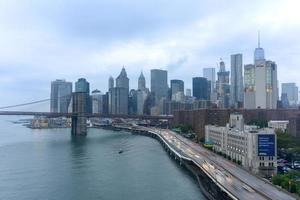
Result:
[{"x": 240, "y": 183}]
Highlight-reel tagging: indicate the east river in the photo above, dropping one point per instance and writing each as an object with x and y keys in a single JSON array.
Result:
[{"x": 49, "y": 164}]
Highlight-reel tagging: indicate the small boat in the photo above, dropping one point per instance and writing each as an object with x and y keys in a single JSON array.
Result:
[{"x": 121, "y": 151}]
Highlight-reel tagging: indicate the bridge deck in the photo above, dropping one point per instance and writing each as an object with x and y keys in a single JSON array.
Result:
[{"x": 53, "y": 114}]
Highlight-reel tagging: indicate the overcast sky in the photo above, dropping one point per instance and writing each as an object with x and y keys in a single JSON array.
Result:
[{"x": 44, "y": 40}]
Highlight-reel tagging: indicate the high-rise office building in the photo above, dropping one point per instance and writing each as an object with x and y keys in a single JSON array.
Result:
[
  {"x": 210, "y": 75},
  {"x": 118, "y": 101},
  {"x": 236, "y": 81},
  {"x": 249, "y": 84},
  {"x": 223, "y": 88},
  {"x": 201, "y": 88},
  {"x": 97, "y": 101},
  {"x": 82, "y": 86},
  {"x": 122, "y": 81},
  {"x": 132, "y": 102},
  {"x": 141, "y": 82},
  {"x": 61, "y": 94},
  {"x": 188, "y": 92},
  {"x": 177, "y": 90},
  {"x": 111, "y": 82},
  {"x": 261, "y": 88},
  {"x": 291, "y": 90},
  {"x": 118, "y": 96},
  {"x": 159, "y": 84}
]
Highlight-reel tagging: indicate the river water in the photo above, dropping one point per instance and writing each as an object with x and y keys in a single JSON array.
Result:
[{"x": 50, "y": 164}]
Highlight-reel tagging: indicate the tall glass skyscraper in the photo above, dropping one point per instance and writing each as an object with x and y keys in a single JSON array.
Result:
[
  {"x": 291, "y": 91},
  {"x": 159, "y": 84},
  {"x": 82, "y": 86},
  {"x": 261, "y": 87},
  {"x": 118, "y": 96},
  {"x": 210, "y": 75},
  {"x": 61, "y": 93},
  {"x": 201, "y": 88},
  {"x": 236, "y": 80},
  {"x": 177, "y": 89},
  {"x": 122, "y": 81}
]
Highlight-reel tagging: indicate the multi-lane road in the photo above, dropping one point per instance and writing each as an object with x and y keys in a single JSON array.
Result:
[{"x": 235, "y": 180}]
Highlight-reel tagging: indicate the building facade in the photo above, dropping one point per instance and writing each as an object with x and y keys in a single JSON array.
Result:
[
  {"x": 291, "y": 91},
  {"x": 201, "y": 88},
  {"x": 60, "y": 97},
  {"x": 223, "y": 87},
  {"x": 210, "y": 75},
  {"x": 261, "y": 87},
  {"x": 281, "y": 125},
  {"x": 142, "y": 82},
  {"x": 122, "y": 81},
  {"x": 111, "y": 82},
  {"x": 236, "y": 81},
  {"x": 97, "y": 101},
  {"x": 159, "y": 84},
  {"x": 255, "y": 149},
  {"x": 82, "y": 85},
  {"x": 177, "y": 90},
  {"x": 118, "y": 101}
]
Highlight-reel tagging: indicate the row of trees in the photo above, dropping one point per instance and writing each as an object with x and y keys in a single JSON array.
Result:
[{"x": 289, "y": 181}]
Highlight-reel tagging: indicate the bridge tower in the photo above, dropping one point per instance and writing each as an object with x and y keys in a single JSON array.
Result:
[{"x": 79, "y": 106}]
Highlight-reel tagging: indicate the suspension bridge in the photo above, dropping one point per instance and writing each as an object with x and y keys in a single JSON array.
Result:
[{"x": 79, "y": 114}]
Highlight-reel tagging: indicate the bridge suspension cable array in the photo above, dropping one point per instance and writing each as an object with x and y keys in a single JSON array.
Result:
[
  {"x": 32, "y": 102},
  {"x": 25, "y": 104}
]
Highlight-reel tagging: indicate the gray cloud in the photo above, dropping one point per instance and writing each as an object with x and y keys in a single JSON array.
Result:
[{"x": 44, "y": 40}]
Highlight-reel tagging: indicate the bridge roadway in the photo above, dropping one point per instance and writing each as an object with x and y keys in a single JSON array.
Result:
[
  {"x": 234, "y": 180},
  {"x": 54, "y": 114}
]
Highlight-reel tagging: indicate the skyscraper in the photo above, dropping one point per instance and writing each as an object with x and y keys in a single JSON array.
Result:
[
  {"x": 259, "y": 53},
  {"x": 61, "y": 93},
  {"x": 142, "y": 82},
  {"x": 210, "y": 75},
  {"x": 118, "y": 101},
  {"x": 249, "y": 84},
  {"x": 177, "y": 90},
  {"x": 264, "y": 92},
  {"x": 223, "y": 88},
  {"x": 188, "y": 92},
  {"x": 159, "y": 84},
  {"x": 111, "y": 82},
  {"x": 97, "y": 101},
  {"x": 122, "y": 81},
  {"x": 118, "y": 96},
  {"x": 291, "y": 90},
  {"x": 201, "y": 88},
  {"x": 82, "y": 86},
  {"x": 236, "y": 81}
]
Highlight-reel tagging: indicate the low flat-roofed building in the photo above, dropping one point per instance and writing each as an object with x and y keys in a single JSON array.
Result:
[
  {"x": 254, "y": 148},
  {"x": 278, "y": 124}
]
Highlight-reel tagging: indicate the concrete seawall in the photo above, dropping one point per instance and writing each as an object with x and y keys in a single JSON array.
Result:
[{"x": 207, "y": 186}]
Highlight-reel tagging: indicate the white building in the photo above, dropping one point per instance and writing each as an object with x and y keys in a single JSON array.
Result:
[
  {"x": 254, "y": 148},
  {"x": 260, "y": 79},
  {"x": 278, "y": 124}
]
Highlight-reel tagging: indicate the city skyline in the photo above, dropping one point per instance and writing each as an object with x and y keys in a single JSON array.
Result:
[{"x": 37, "y": 48}]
